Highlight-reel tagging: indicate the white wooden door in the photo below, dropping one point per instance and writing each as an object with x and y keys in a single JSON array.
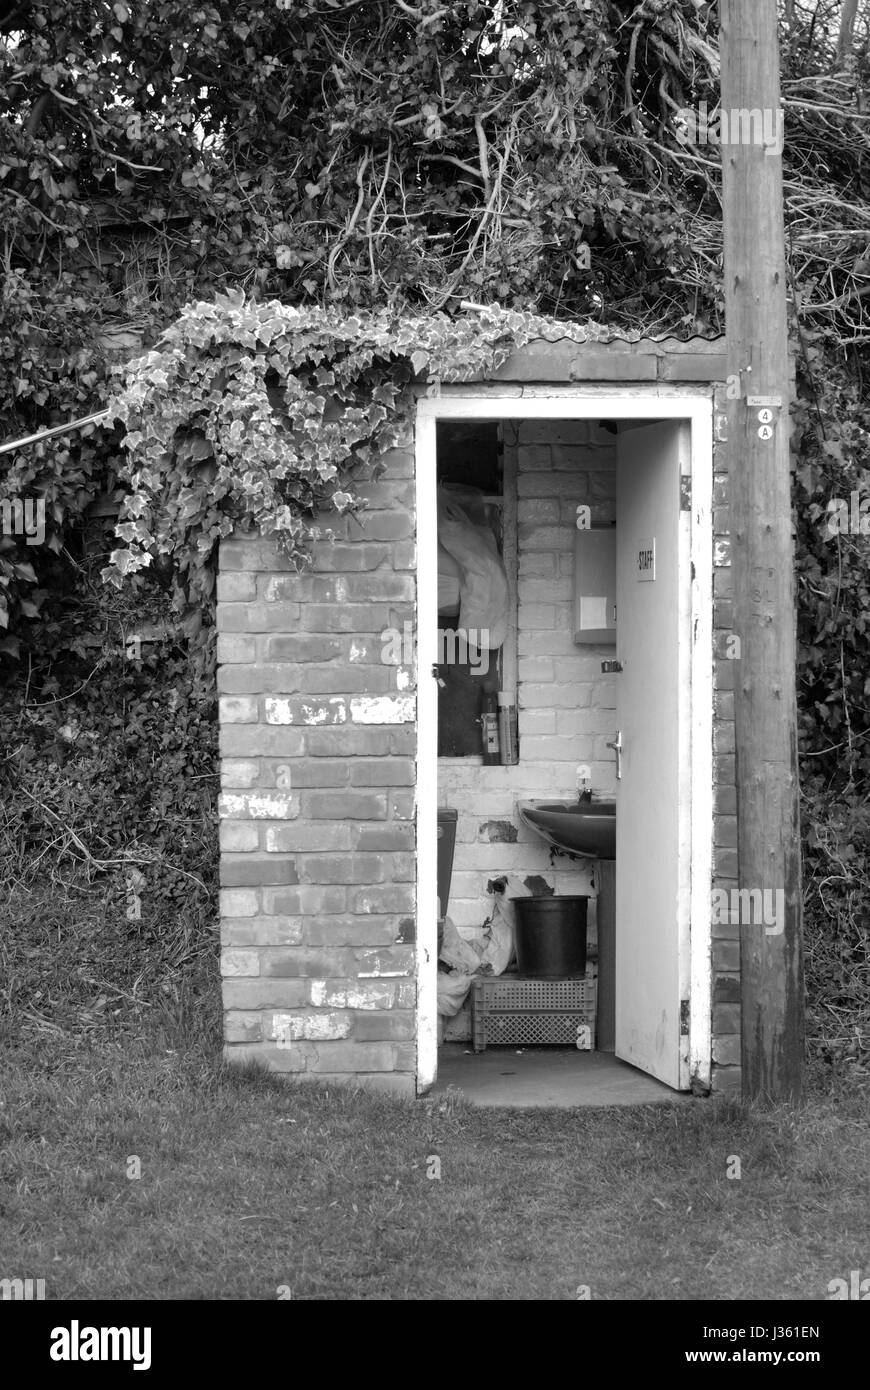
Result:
[{"x": 653, "y": 821}]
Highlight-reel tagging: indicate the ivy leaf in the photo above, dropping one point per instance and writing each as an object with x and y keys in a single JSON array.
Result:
[
  {"x": 419, "y": 361},
  {"x": 128, "y": 561}
]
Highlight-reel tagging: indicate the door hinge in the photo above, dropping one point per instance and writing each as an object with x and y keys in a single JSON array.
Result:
[
  {"x": 685, "y": 492},
  {"x": 684, "y": 1018}
]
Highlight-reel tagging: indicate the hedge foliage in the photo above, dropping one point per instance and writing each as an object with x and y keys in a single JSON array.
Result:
[{"x": 341, "y": 156}]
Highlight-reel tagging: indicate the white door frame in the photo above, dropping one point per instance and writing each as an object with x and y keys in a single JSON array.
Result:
[{"x": 565, "y": 403}]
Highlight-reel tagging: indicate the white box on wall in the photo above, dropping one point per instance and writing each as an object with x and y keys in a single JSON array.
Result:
[{"x": 595, "y": 585}]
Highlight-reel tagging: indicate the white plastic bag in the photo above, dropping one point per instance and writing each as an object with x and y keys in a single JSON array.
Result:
[
  {"x": 499, "y": 930},
  {"x": 448, "y": 584},
  {"x": 483, "y": 585},
  {"x": 453, "y": 987},
  {"x": 509, "y": 887},
  {"x": 456, "y": 951}
]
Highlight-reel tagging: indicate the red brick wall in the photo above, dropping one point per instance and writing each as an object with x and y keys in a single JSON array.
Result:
[{"x": 317, "y": 804}]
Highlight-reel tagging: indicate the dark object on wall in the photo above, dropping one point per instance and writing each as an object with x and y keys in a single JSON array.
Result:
[
  {"x": 470, "y": 465},
  {"x": 460, "y": 693},
  {"x": 489, "y": 729},
  {"x": 551, "y": 937},
  {"x": 469, "y": 453},
  {"x": 446, "y": 842},
  {"x": 508, "y": 729}
]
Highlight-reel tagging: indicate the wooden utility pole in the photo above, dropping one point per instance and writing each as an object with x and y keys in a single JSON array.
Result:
[
  {"x": 848, "y": 15},
  {"x": 768, "y": 836}
]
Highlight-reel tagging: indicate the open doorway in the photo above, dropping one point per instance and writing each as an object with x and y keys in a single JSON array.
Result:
[{"x": 588, "y": 507}]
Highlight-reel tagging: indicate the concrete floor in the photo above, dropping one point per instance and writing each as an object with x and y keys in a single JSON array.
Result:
[{"x": 556, "y": 1077}]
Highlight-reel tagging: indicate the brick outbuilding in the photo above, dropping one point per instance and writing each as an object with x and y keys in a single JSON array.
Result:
[{"x": 331, "y": 774}]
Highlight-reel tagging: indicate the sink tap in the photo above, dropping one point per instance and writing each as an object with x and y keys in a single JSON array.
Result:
[{"x": 584, "y": 791}]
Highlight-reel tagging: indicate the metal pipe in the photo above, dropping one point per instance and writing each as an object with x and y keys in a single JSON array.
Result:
[{"x": 55, "y": 429}]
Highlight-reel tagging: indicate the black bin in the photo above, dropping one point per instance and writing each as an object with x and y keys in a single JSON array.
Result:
[{"x": 551, "y": 937}]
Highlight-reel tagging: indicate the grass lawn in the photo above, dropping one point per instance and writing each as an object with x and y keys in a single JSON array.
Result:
[{"x": 248, "y": 1183}]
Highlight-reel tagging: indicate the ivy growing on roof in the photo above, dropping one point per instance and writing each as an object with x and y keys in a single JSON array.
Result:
[{"x": 267, "y": 416}]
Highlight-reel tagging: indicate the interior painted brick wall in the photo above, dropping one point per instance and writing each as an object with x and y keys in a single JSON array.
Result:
[
  {"x": 318, "y": 743},
  {"x": 566, "y": 706},
  {"x": 567, "y": 709}
]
